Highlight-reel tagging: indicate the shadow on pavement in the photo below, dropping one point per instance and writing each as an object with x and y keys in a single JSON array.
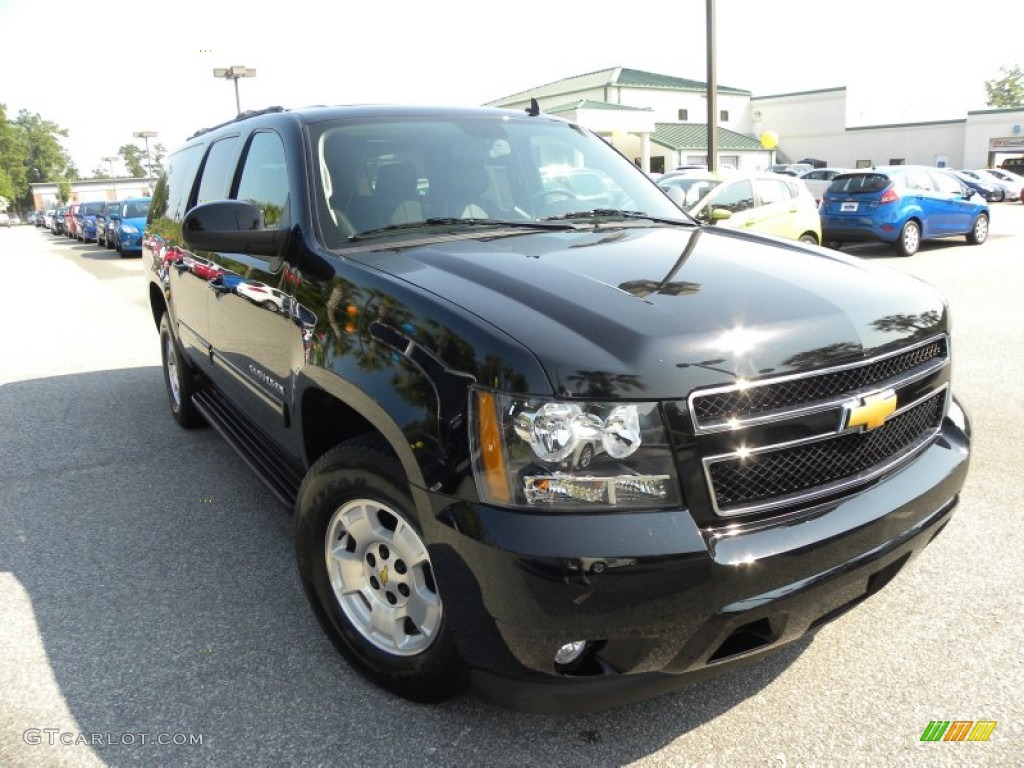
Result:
[{"x": 163, "y": 585}]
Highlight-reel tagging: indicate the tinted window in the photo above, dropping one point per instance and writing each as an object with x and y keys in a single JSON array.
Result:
[
  {"x": 218, "y": 171},
  {"x": 861, "y": 183},
  {"x": 170, "y": 198},
  {"x": 264, "y": 180}
]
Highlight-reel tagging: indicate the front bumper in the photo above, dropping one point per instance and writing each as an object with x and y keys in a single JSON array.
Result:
[
  {"x": 662, "y": 602},
  {"x": 130, "y": 242}
]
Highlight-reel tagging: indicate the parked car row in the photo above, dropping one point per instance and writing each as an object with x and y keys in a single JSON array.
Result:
[
  {"x": 115, "y": 224},
  {"x": 901, "y": 205}
]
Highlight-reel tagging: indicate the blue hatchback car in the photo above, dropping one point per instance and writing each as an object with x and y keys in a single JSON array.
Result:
[
  {"x": 128, "y": 235},
  {"x": 901, "y": 205}
]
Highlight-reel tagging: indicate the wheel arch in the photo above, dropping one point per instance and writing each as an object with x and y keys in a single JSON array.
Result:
[{"x": 333, "y": 410}]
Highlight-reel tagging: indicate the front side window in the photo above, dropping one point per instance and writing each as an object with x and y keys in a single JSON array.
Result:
[
  {"x": 264, "y": 179},
  {"x": 218, "y": 170}
]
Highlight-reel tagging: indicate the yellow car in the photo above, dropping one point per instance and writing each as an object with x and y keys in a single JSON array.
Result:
[{"x": 765, "y": 203}]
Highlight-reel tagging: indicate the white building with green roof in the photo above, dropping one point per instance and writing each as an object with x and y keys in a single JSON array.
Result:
[{"x": 660, "y": 121}]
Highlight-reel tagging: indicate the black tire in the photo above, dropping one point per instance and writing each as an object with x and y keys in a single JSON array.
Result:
[
  {"x": 979, "y": 232},
  {"x": 835, "y": 245},
  {"x": 178, "y": 380},
  {"x": 809, "y": 237},
  {"x": 910, "y": 239},
  {"x": 356, "y": 497}
]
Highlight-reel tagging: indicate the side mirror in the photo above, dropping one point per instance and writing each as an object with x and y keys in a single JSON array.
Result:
[
  {"x": 720, "y": 214},
  {"x": 232, "y": 226}
]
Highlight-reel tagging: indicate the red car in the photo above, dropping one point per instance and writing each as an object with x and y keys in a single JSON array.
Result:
[{"x": 70, "y": 222}]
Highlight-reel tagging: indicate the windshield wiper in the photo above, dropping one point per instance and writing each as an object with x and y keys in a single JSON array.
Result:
[
  {"x": 615, "y": 213},
  {"x": 458, "y": 222}
]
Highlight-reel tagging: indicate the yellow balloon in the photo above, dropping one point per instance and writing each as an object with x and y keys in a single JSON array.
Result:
[{"x": 769, "y": 139}]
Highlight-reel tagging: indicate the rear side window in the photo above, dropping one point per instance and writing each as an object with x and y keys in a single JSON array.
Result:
[
  {"x": 859, "y": 184},
  {"x": 735, "y": 197},
  {"x": 774, "y": 191},
  {"x": 170, "y": 198}
]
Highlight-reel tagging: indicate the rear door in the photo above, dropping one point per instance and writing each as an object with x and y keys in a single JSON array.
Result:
[{"x": 776, "y": 207}]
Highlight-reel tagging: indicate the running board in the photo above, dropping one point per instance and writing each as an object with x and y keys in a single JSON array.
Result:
[{"x": 279, "y": 475}]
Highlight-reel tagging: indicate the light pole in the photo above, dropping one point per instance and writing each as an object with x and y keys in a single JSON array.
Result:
[
  {"x": 147, "y": 135},
  {"x": 233, "y": 73},
  {"x": 110, "y": 160}
]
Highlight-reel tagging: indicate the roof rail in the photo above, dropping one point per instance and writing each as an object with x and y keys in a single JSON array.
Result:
[{"x": 241, "y": 116}]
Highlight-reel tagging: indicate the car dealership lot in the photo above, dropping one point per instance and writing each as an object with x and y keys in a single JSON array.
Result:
[{"x": 147, "y": 583}]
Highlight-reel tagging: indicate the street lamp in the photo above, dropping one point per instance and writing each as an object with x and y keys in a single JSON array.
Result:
[
  {"x": 147, "y": 135},
  {"x": 233, "y": 73},
  {"x": 110, "y": 160}
]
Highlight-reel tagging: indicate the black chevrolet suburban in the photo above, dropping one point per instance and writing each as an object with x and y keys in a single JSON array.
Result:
[{"x": 567, "y": 445}]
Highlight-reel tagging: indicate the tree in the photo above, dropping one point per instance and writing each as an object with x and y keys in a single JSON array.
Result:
[
  {"x": 133, "y": 160},
  {"x": 63, "y": 191},
  {"x": 159, "y": 153},
  {"x": 1008, "y": 90},
  {"x": 30, "y": 151},
  {"x": 100, "y": 173}
]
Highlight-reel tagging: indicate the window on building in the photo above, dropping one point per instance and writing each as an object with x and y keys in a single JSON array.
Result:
[
  {"x": 696, "y": 160},
  {"x": 658, "y": 164},
  {"x": 896, "y": 161},
  {"x": 684, "y": 115},
  {"x": 723, "y": 115},
  {"x": 863, "y": 163}
]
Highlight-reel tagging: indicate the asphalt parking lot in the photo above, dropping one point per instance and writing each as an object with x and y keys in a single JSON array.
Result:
[{"x": 148, "y": 591}]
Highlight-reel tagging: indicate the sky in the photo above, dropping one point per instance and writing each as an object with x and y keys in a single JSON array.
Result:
[{"x": 900, "y": 60}]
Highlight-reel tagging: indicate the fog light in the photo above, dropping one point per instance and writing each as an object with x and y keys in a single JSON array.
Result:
[{"x": 570, "y": 652}]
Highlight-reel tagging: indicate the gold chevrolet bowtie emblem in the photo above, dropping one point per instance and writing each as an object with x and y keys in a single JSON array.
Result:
[
  {"x": 870, "y": 411},
  {"x": 384, "y": 576}
]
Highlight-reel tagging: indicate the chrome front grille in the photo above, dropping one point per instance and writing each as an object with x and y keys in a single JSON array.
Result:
[
  {"x": 737, "y": 405},
  {"x": 778, "y": 442},
  {"x": 775, "y": 476}
]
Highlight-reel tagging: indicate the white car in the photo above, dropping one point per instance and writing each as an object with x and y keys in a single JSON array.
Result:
[
  {"x": 5, "y": 220},
  {"x": 264, "y": 295},
  {"x": 818, "y": 179},
  {"x": 1014, "y": 181}
]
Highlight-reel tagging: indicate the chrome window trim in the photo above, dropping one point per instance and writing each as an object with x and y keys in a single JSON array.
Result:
[
  {"x": 828, "y": 488},
  {"x": 823, "y": 405}
]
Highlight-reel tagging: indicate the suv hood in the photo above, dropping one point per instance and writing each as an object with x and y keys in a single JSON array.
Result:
[{"x": 627, "y": 312}]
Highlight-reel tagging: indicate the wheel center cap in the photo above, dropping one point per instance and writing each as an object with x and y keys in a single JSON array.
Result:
[{"x": 384, "y": 576}]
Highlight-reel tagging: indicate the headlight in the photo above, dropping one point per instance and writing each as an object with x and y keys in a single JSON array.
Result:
[
  {"x": 542, "y": 453},
  {"x": 128, "y": 229}
]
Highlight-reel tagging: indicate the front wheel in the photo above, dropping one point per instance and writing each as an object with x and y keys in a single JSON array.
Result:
[
  {"x": 809, "y": 237},
  {"x": 180, "y": 384},
  {"x": 979, "y": 232},
  {"x": 910, "y": 239},
  {"x": 368, "y": 575}
]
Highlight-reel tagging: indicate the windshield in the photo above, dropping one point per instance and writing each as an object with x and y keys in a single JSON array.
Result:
[
  {"x": 398, "y": 172},
  {"x": 135, "y": 210},
  {"x": 91, "y": 209}
]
